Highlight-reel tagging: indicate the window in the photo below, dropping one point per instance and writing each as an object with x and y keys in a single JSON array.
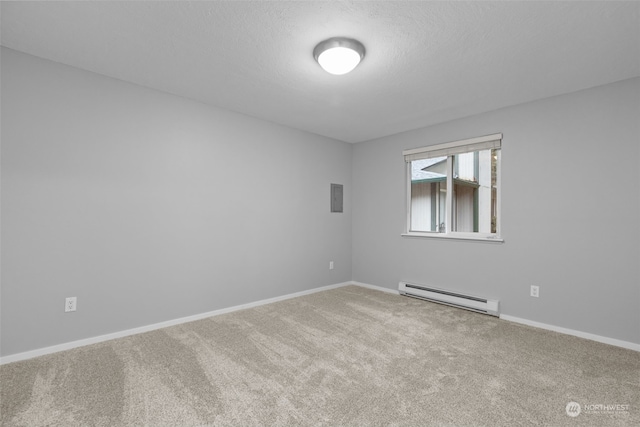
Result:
[{"x": 453, "y": 189}]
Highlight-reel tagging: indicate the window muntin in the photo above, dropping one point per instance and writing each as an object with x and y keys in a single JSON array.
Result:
[{"x": 471, "y": 169}]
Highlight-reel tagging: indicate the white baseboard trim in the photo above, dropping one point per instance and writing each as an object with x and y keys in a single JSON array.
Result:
[
  {"x": 94, "y": 340},
  {"x": 107, "y": 337},
  {"x": 566, "y": 331},
  {"x": 580, "y": 334},
  {"x": 377, "y": 288}
]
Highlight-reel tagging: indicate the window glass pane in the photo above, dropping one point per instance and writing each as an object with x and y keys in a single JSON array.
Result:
[
  {"x": 474, "y": 192},
  {"x": 428, "y": 194}
]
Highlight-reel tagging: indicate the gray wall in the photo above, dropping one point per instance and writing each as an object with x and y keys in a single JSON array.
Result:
[
  {"x": 149, "y": 207},
  {"x": 570, "y": 213}
]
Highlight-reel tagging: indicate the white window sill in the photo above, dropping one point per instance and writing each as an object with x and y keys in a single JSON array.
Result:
[{"x": 456, "y": 236}]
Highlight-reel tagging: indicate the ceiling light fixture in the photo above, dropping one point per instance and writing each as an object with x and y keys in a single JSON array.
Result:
[{"x": 339, "y": 55}]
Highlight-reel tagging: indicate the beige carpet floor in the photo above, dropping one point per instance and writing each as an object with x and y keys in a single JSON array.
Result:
[{"x": 344, "y": 357}]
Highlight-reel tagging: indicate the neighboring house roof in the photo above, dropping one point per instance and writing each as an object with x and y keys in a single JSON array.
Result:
[{"x": 419, "y": 174}]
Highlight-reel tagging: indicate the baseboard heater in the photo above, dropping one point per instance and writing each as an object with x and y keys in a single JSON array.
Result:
[{"x": 468, "y": 302}]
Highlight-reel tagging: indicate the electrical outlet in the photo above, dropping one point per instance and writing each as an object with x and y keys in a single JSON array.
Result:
[
  {"x": 70, "y": 304},
  {"x": 535, "y": 291},
  {"x": 330, "y": 265}
]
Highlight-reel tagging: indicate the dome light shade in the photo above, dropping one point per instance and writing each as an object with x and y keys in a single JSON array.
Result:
[{"x": 339, "y": 55}]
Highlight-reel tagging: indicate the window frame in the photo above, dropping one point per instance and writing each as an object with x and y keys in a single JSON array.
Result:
[{"x": 450, "y": 149}]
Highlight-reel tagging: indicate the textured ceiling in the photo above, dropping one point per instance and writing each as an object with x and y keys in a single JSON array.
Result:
[{"x": 426, "y": 62}]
